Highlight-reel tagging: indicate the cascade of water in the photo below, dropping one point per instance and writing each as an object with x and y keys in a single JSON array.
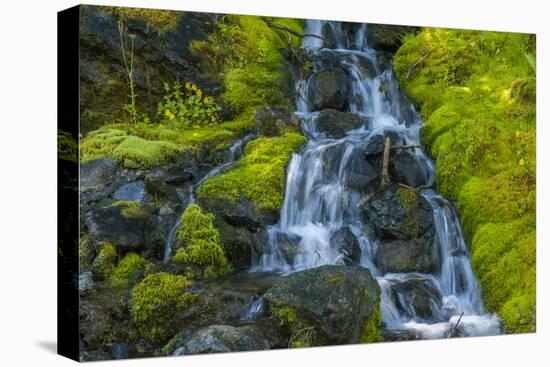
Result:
[
  {"x": 235, "y": 152},
  {"x": 320, "y": 199}
]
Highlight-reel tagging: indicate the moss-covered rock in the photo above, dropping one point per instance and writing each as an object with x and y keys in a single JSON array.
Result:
[
  {"x": 201, "y": 245},
  {"x": 327, "y": 305},
  {"x": 104, "y": 263},
  {"x": 155, "y": 302},
  {"x": 129, "y": 270},
  {"x": 476, "y": 95}
]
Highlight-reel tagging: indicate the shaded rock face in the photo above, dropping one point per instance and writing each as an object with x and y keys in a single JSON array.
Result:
[
  {"x": 335, "y": 301},
  {"x": 386, "y": 37},
  {"x": 329, "y": 88},
  {"x": 289, "y": 245},
  {"x": 128, "y": 234},
  {"x": 335, "y": 124},
  {"x": 347, "y": 245},
  {"x": 424, "y": 299},
  {"x": 407, "y": 169},
  {"x": 220, "y": 339},
  {"x": 159, "y": 58},
  {"x": 272, "y": 121},
  {"x": 362, "y": 172}
]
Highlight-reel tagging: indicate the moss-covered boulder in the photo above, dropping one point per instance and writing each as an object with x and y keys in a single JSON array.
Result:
[
  {"x": 386, "y": 37},
  {"x": 475, "y": 91},
  {"x": 274, "y": 121},
  {"x": 327, "y": 305}
]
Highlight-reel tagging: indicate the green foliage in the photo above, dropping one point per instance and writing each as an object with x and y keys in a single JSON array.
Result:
[
  {"x": 201, "y": 243},
  {"x": 155, "y": 302},
  {"x": 301, "y": 336},
  {"x": 67, "y": 146},
  {"x": 129, "y": 270},
  {"x": 105, "y": 261},
  {"x": 477, "y": 93},
  {"x": 371, "y": 329},
  {"x": 185, "y": 106},
  {"x": 244, "y": 53},
  {"x": 161, "y": 20},
  {"x": 131, "y": 209},
  {"x": 406, "y": 197},
  {"x": 86, "y": 252},
  {"x": 259, "y": 175}
]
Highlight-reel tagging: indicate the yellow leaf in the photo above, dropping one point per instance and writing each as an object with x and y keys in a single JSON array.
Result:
[{"x": 521, "y": 162}]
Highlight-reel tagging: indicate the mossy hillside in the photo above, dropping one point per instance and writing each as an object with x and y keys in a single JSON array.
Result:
[
  {"x": 476, "y": 92},
  {"x": 201, "y": 245},
  {"x": 161, "y": 20},
  {"x": 150, "y": 145},
  {"x": 244, "y": 53},
  {"x": 155, "y": 302},
  {"x": 259, "y": 176}
]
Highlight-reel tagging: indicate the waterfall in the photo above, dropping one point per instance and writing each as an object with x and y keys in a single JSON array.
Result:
[{"x": 321, "y": 200}]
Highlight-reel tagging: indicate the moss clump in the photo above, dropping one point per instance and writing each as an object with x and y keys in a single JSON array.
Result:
[
  {"x": 406, "y": 197},
  {"x": 244, "y": 53},
  {"x": 86, "y": 252},
  {"x": 105, "y": 261},
  {"x": 155, "y": 302},
  {"x": 129, "y": 270},
  {"x": 67, "y": 146},
  {"x": 131, "y": 209},
  {"x": 201, "y": 245},
  {"x": 301, "y": 336},
  {"x": 135, "y": 152},
  {"x": 476, "y": 92},
  {"x": 371, "y": 328},
  {"x": 259, "y": 175}
]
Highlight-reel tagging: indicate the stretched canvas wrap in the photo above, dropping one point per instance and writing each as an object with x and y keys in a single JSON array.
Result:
[{"x": 233, "y": 183}]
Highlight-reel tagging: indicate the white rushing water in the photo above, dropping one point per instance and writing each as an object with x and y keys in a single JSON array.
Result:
[{"x": 320, "y": 199}]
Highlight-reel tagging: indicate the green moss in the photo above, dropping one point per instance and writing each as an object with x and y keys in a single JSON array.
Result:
[
  {"x": 105, "y": 261},
  {"x": 129, "y": 270},
  {"x": 201, "y": 243},
  {"x": 131, "y": 209},
  {"x": 86, "y": 252},
  {"x": 406, "y": 197},
  {"x": 67, "y": 146},
  {"x": 371, "y": 328},
  {"x": 477, "y": 92},
  {"x": 301, "y": 336},
  {"x": 259, "y": 175},
  {"x": 155, "y": 302},
  {"x": 244, "y": 53},
  {"x": 135, "y": 152}
]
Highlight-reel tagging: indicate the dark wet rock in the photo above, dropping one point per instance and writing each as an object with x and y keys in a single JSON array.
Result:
[
  {"x": 328, "y": 58},
  {"x": 375, "y": 145},
  {"x": 96, "y": 174},
  {"x": 391, "y": 335},
  {"x": 271, "y": 121},
  {"x": 221, "y": 339},
  {"x": 361, "y": 174},
  {"x": 334, "y": 301},
  {"x": 166, "y": 210},
  {"x": 347, "y": 245},
  {"x": 407, "y": 168},
  {"x": 120, "y": 351},
  {"x": 288, "y": 245},
  {"x": 156, "y": 187},
  {"x": 422, "y": 296},
  {"x": 129, "y": 234},
  {"x": 402, "y": 256},
  {"x": 398, "y": 213},
  {"x": 329, "y": 88},
  {"x": 94, "y": 355},
  {"x": 387, "y": 37},
  {"x": 85, "y": 281},
  {"x": 132, "y": 191},
  {"x": 335, "y": 124}
]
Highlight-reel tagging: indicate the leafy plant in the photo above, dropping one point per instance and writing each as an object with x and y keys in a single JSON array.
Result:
[
  {"x": 127, "y": 43},
  {"x": 186, "y": 106}
]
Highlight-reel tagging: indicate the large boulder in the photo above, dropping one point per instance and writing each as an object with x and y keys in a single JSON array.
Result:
[
  {"x": 361, "y": 171},
  {"x": 386, "y": 37},
  {"x": 272, "y": 121},
  {"x": 220, "y": 339},
  {"x": 335, "y": 124},
  {"x": 345, "y": 243},
  {"x": 329, "y": 88},
  {"x": 398, "y": 213},
  {"x": 407, "y": 168},
  {"x": 325, "y": 305}
]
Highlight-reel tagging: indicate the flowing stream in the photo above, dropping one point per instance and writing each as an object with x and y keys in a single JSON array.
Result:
[
  {"x": 235, "y": 152},
  {"x": 319, "y": 199}
]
